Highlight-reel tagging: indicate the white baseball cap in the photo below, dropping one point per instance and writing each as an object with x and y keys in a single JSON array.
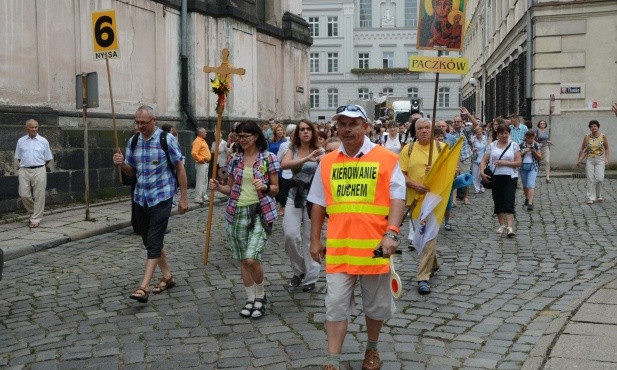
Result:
[{"x": 351, "y": 110}]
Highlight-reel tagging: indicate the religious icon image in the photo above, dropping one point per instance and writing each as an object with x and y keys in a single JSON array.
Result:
[{"x": 441, "y": 24}]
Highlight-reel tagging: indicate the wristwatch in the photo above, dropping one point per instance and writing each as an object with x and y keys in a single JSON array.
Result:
[{"x": 393, "y": 237}]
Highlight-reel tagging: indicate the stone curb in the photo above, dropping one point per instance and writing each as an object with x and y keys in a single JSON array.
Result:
[
  {"x": 539, "y": 354},
  {"x": 17, "y": 252}
]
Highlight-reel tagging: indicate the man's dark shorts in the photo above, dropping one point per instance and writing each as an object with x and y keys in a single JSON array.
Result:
[{"x": 152, "y": 223}]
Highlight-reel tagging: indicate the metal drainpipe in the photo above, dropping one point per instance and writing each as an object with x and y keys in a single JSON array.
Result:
[
  {"x": 184, "y": 69},
  {"x": 528, "y": 77}
]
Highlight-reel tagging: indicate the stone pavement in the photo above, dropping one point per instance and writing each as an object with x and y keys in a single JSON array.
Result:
[{"x": 546, "y": 299}]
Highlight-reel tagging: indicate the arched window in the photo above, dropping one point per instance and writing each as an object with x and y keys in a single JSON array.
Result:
[
  {"x": 363, "y": 93},
  {"x": 444, "y": 97},
  {"x": 412, "y": 92},
  {"x": 332, "y": 98},
  {"x": 314, "y": 97}
]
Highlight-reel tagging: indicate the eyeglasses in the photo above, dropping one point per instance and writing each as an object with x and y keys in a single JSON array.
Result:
[
  {"x": 351, "y": 108},
  {"x": 304, "y": 129},
  {"x": 143, "y": 123},
  {"x": 243, "y": 136}
]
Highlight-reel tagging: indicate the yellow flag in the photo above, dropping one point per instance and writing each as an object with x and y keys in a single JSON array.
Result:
[{"x": 440, "y": 178}]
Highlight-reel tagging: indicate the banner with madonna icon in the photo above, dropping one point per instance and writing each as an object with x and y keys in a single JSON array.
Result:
[{"x": 441, "y": 25}]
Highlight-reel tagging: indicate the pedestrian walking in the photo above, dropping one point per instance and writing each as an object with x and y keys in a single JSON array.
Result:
[
  {"x": 278, "y": 139},
  {"x": 33, "y": 154},
  {"x": 543, "y": 138},
  {"x": 362, "y": 189},
  {"x": 156, "y": 161},
  {"x": 302, "y": 158},
  {"x": 251, "y": 210},
  {"x": 530, "y": 158},
  {"x": 504, "y": 156},
  {"x": 595, "y": 152},
  {"x": 414, "y": 163},
  {"x": 201, "y": 154},
  {"x": 478, "y": 144}
]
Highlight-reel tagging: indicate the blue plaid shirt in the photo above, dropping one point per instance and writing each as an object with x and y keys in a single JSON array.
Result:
[
  {"x": 466, "y": 148},
  {"x": 155, "y": 180},
  {"x": 518, "y": 134}
]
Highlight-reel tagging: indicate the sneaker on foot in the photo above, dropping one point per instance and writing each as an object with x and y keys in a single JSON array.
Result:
[
  {"x": 448, "y": 226},
  {"x": 510, "y": 232},
  {"x": 295, "y": 281},
  {"x": 501, "y": 229},
  {"x": 423, "y": 287},
  {"x": 590, "y": 201},
  {"x": 530, "y": 207}
]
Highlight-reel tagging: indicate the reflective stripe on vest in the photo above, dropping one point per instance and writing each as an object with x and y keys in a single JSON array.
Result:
[{"x": 357, "y": 208}]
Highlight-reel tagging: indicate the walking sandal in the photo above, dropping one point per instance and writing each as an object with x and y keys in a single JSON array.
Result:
[
  {"x": 140, "y": 295},
  {"x": 164, "y": 284},
  {"x": 247, "y": 310},
  {"x": 259, "y": 308}
]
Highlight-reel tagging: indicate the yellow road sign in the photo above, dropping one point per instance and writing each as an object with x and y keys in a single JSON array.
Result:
[
  {"x": 105, "y": 34},
  {"x": 439, "y": 65}
]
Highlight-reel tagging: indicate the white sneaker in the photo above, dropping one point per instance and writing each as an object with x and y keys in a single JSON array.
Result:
[{"x": 501, "y": 229}]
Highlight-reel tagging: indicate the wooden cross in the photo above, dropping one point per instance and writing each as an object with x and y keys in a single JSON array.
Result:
[{"x": 223, "y": 71}]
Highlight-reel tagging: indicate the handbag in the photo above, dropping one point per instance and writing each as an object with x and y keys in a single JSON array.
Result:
[
  {"x": 489, "y": 172},
  {"x": 527, "y": 166}
]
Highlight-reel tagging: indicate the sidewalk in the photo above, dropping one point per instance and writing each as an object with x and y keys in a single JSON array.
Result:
[{"x": 65, "y": 224}]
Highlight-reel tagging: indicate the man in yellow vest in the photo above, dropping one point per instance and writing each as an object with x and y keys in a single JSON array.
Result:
[
  {"x": 362, "y": 189},
  {"x": 414, "y": 164}
]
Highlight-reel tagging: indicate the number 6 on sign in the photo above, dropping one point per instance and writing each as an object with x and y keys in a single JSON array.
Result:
[{"x": 105, "y": 35}]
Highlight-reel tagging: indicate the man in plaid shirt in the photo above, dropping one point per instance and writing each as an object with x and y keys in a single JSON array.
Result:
[
  {"x": 154, "y": 192},
  {"x": 460, "y": 130}
]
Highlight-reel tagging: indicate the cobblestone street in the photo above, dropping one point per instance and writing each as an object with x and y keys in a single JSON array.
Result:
[{"x": 496, "y": 302}]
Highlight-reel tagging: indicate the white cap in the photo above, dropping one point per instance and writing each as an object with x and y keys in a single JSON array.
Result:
[
  {"x": 467, "y": 123},
  {"x": 351, "y": 110}
]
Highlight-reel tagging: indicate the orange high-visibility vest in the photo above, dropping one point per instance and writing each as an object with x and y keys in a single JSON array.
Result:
[{"x": 358, "y": 202}]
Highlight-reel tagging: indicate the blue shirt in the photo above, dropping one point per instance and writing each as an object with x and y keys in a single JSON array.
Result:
[
  {"x": 518, "y": 134},
  {"x": 155, "y": 180},
  {"x": 466, "y": 148}
]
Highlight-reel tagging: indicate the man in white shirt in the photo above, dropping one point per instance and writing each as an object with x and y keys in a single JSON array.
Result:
[{"x": 33, "y": 154}]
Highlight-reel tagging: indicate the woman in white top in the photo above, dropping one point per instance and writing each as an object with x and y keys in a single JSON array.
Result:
[
  {"x": 479, "y": 147},
  {"x": 391, "y": 139},
  {"x": 504, "y": 156}
]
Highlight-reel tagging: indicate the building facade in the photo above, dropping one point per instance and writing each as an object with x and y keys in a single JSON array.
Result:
[
  {"x": 551, "y": 60},
  {"x": 361, "y": 51},
  {"x": 162, "y": 52}
]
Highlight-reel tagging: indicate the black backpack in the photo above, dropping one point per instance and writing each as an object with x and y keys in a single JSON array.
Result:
[{"x": 132, "y": 180}]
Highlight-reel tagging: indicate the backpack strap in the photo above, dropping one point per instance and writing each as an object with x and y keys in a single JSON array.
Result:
[
  {"x": 165, "y": 147},
  {"x": 134, "y": 142}
]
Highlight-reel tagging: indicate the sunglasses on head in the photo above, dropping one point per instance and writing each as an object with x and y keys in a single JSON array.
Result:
[{"x": 351, "y": 108}]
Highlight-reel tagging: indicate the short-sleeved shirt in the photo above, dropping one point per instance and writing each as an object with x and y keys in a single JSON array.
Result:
[
  {"x": 155, "y": 180},
  {"x": 465, "y": 132},
  {"x": 397, "y": 181},
  {"x": 32, "y": 151},
  {"x": 518, "y": 134},
  {"x": 265, "y": 164},
  {"x": 414, "y": 164}
]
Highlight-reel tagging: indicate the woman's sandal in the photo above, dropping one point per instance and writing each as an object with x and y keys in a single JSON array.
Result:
[
  {"x": 164, "y": 284},
  {"x": 140, "y": 295},
  {"x": 259, "y": 308},
  {"x": 247, "y": 310}
]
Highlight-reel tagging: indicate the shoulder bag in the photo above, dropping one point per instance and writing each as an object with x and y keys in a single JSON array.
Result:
[{"x": 488, "y": 171}]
